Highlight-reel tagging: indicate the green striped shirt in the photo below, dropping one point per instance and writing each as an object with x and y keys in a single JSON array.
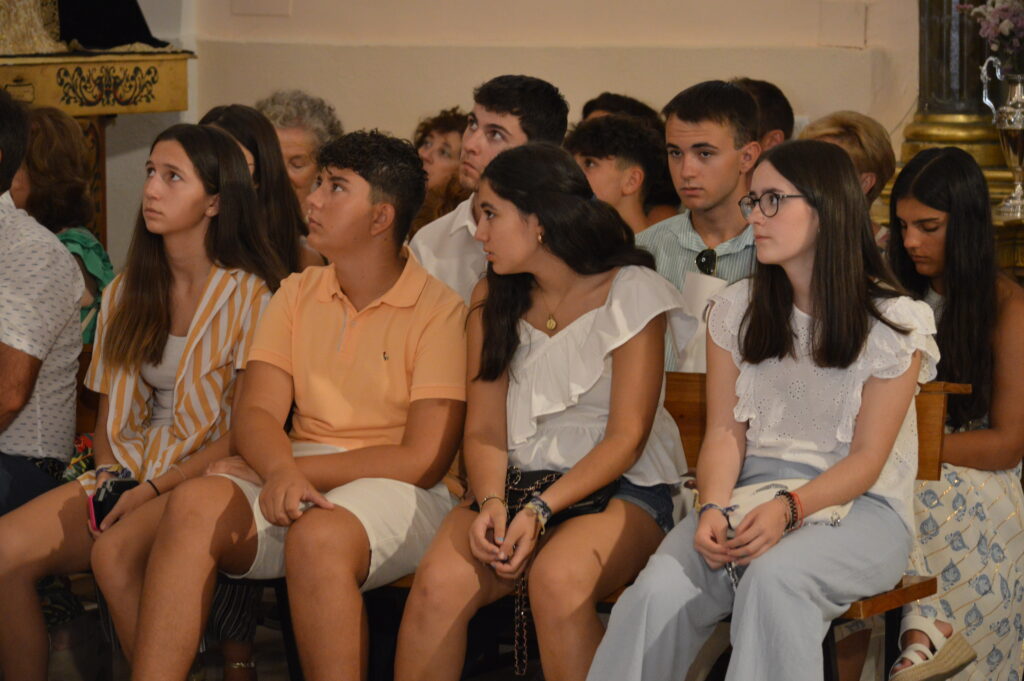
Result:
[{"x": 675, "y": 245}]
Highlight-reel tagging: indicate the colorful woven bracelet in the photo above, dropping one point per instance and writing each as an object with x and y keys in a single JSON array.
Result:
[{"x": 540, "y": 510}]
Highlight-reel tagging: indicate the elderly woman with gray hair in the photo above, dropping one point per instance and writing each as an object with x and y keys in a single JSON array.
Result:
[{"x": 303, "y": 124}]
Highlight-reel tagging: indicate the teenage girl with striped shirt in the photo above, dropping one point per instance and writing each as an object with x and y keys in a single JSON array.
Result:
[{"x": 173, "y": 335}]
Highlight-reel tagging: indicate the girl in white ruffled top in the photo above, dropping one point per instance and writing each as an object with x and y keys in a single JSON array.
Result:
[
  {"x": 812, "y": 368},
  {"x": 566, "y": 341}
]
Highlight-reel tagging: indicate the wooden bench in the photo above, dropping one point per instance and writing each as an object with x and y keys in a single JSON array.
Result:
[{"x": 685, "y": 400}]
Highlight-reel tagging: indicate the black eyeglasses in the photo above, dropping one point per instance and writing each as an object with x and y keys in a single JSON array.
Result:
[
  {"x": 707, "y": 262},
  {"x": 768, "y": 203}
]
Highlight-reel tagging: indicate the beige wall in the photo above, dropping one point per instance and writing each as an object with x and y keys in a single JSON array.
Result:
[{"x": 390, "y": 62}]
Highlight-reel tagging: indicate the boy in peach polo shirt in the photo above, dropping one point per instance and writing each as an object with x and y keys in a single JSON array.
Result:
[{"x": 371, "y": 350}]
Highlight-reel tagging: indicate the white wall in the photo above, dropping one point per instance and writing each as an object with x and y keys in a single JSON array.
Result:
[
  {"x": 390, "y": 62},
  {"x": 129, "y": 136}
]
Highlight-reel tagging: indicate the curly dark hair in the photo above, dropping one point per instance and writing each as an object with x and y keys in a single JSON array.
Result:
[
  {"x": 58, "y": 166},
  {"x": 622, "y": 137},
  {"x": 389, "y": 165},
  {"x": 449, "y": 120}
]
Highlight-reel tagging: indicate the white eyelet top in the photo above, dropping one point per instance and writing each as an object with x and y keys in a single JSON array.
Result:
[
  {"x": 797, "y": 411},
  {"x": 560, "y": 386}
]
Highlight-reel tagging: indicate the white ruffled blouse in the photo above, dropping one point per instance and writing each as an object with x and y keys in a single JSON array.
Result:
[
  {"x": 797, "y": 411},
  {"x": 560, "y": 386}
]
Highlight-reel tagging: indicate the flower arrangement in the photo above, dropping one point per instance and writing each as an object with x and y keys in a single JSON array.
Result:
[{"x": 1001, "y": 24}]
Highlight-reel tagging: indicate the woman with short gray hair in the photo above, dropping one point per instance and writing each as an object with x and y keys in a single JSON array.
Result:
[{"x": 303, "y": 124}]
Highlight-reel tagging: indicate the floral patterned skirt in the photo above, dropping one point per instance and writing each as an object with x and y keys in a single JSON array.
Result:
[{"x": 970, "y": 532}]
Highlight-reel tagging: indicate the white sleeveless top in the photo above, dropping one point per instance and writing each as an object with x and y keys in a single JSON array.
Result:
[
  {"x": 161, "y": 378},
  {"x": 797, "y": 411},
  {"x": 560, "y": 386}
]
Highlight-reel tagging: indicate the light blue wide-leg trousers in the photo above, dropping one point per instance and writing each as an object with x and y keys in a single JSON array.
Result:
[{"x": 781, "y": 609}]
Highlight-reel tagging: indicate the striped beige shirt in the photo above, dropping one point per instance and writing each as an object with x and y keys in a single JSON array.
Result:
[{"x": 216, "y": 348}]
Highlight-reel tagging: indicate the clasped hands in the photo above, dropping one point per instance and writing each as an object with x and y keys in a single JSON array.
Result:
[
  {"x": 505, "y": 549},
  {"x": 760, "y": 530}
]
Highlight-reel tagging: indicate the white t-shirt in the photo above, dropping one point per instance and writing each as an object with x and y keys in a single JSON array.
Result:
[
  {"x": 446, "y": 248},
  {"x": 162, "y": 377},
  {"x": 559, "y": 392},
  {"x": 40, "y": 289},
  {"x": 797, "y": 411}
]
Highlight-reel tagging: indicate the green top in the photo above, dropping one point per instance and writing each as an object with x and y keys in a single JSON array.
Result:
[{"x": 84, "y": 244}]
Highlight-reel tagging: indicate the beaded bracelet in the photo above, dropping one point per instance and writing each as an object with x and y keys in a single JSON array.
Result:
[
  {"x": 540, "y": 510},
  {"x": 793, "y": 522},
  {"x": 799, "y": 508}
]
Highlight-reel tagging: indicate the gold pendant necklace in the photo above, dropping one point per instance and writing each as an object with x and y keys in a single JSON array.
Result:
[{"x": 551, "y": 323}]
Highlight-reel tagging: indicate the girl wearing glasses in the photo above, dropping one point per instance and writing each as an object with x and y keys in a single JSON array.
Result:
[
  {"x": 812, "y": 367},
  {"x": 970, "y": 524}
]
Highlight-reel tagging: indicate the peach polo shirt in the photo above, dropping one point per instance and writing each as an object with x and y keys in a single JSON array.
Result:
[{"x": 356, "y": 372}]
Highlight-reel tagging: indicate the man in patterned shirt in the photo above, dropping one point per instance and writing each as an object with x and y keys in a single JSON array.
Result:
[{"x": 40, "y": 337}]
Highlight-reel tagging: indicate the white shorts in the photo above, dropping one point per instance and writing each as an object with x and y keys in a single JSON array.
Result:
[{"x": 400, "y": 521}]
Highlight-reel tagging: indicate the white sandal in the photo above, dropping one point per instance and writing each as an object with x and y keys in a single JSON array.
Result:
[{"x": 951, "y": 654}]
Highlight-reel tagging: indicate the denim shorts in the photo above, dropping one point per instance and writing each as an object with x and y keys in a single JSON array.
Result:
[{"x": 656, "y": 500}]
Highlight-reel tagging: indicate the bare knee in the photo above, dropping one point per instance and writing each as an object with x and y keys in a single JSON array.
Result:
[
  {"x": 333, "y": 540},
  {"x": 446, "y": 584},
  {"x": 560, "y": 586},
  {"x": 14, "y": 543},
  {"x": 108, "y": 560},
  {"x": 195, "y": 506},
  {"x": 10, "y": 550}
]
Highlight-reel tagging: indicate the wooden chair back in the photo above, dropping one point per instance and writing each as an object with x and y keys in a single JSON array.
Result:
[{"x": 685, "y": 400}]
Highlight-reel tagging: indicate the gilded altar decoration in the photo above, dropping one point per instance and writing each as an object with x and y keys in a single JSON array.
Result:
[{"x": 107, "y": 85}]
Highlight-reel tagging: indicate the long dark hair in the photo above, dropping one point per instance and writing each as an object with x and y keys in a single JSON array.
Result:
[
  {"x": 281, "y": 212},
  {"x": 949, "y": 180},
  {"x": 588, "y": 235},
  {"x": 848, "y": 275},
  {"x": 235, "y": 238}
]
